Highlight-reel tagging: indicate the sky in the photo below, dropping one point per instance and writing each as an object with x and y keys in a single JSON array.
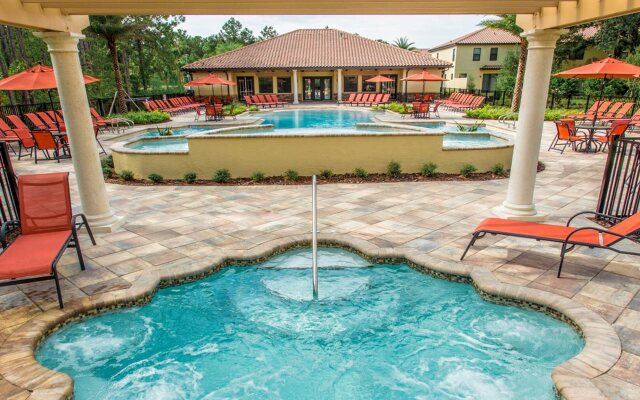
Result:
[{"x": 424, "y": 30}]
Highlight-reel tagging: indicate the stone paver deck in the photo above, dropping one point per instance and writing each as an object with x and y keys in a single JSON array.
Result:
[{"x": 186, "y": 228}]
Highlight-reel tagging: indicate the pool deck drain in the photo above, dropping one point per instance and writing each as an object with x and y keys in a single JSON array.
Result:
[{"x": 176, "y": 232}]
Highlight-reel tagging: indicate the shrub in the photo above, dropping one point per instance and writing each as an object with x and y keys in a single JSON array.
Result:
[
  {"x": 234, "y": 109},
  {"x": 155, "y": 178},
  {"x": 326, "y": 174},
  {"x": 291, "y": 175},
  {"x": 253, "y": 108},
  {"x": 107, "y": 171},
  {"x": 257, "y": 176},
  {"x": 222, "y": 175},
  {"x": 126, "y": 175},
  {"x": 190, "y": 177},
  {"x": 107, "y": 161},
  {"x": 394, "y": 169},
  {"x": 498, "y": 169},
  {"x": 492, "y": 112},
  {"x": 467, "y": 169},
  {"x": 429, "y": 169},
  {"x": 143, "y": 117},
  {"x": 360, "y": 173}
]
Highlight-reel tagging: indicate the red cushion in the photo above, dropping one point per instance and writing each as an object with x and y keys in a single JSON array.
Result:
[
  {"x": 31, "y": 255},
  {"x": 535, "y": 230}
]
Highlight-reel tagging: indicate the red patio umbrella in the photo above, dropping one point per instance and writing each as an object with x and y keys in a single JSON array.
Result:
[
  {"x": 423, "y": 77},
  {"x": 379, "y": 79},
  {"x": 39, "y": 77},
  {"x": 609, "y": 68},
  {"x": 210, "y": 80}
]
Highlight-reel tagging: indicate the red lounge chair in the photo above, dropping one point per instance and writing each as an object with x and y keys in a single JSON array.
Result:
[
  {"x": 248, "y": 100},
  {"x": 601, "y": 110},
  {"x": 566, "y": 134},
  {"x": 51, "y": 123},
  {"x": 274, "y": 99},
  {"x": 36, "y": 121},
  {"x": 620, "y": 113},
  {"x": 592, "y": 237},
  {"x": 264, "y": 101},
  {"x": 349, "y": 100},
  {"x": 377, "y": 99},
  {"x": 366, "y": 99},
  {"x": 148, "y": 106},
  {"x": 47, "y": 228},
  {"x": 357, "y": 99},
  {"x": 213, "y": 113},
  {"x": 385, "y": 98}
]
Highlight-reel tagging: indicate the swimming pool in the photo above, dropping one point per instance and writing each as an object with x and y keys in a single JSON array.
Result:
[
  {"x": 381, "y": 332},
  {"x": 179, "y": 131},
  {"x": 316, "y": 119}
]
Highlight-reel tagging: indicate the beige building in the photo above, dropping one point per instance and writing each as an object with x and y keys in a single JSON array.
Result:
[
  {"x": 476, "y": 57},
  {"x": 308, "y": 65}
]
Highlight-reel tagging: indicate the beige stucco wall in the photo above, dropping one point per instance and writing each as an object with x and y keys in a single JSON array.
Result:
[
  {"x": 308, "y": 155},
  {"x": 591, "y": 54},
  {"x": 464, "y": 63}
]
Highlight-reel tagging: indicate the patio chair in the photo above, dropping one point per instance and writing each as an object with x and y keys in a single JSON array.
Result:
[
  {"x": 366, "y": 99},
  {"x": 611, "y": 111},
  {"x": 49, "y": 145},
  {"x": 349, "y": 100},
  {"x": 417, "y": 98},
  {"x": 434, "y": 111},
  {"x": 356, "y": 99},
  {"x": 213, "y": 113},
  {"x": 148, "y": 106},
  {"x": 422, "y": 111},
  {"x": 274, "y": 99},
  {"x": 377, "y": 100},
  {"x": 566, "y": 134},
  {"x": 620, "y": 113},
  {"x": 604, "y": 106},
  {"x": 264, "y": 101},
  {"x": 617, "y": 129},
  {"x": 47, "y": 229},
  {"x": 8, "y": 135},
  {"x": 36, "y": 122},
  {"x": 592, "y": 237},
  {"x": 385, "y": 98},
  {"x": 56, "y": 125}
]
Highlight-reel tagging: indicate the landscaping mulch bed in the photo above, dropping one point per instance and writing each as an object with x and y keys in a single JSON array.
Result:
[{"x": 306, "y": 180}]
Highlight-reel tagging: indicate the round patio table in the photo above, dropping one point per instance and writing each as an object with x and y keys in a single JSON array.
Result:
[{"x": 589, "y": 140}]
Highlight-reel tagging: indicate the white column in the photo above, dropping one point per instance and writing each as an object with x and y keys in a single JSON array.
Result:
[
  {"x": 405, "y": 72},
  {"x": 295, "y": 87},
  {"x": 519, "y": 203},
  {"x": 63, "y": 47},
  {"x": 339, "y": 85}
]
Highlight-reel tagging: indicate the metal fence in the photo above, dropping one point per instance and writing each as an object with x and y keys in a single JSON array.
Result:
[
  {"x": 620, "y": 189},
  {"x": 8, "y": 186}
]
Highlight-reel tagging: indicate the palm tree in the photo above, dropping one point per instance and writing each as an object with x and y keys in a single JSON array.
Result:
[
  {"x": 507, "y": 22},
  {"x": 404, "y": 43},
  {"x": 112, "y": 29}
]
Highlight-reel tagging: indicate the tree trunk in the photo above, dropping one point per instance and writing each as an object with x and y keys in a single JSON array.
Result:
[
  {"x": 5, "y": 59},
  {"x": 522, "y": 62},
  {"x": 121, "y": 104},
  {"x": 142, "y": 68},
  {"x": 127, "y": 75}
]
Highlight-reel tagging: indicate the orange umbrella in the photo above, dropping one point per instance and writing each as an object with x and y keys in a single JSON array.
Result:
[
  {"x": 609, "y": 68},
  {"x": 39, "y": 77},
  {"x": 379, "y": 79},
  {"x": 423, "y": 77},
  {"x": 210, "y": 80}
]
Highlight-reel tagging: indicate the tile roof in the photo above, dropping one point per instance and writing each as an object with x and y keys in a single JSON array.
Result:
[
  {"x": 317, "y": 48},
  {"x": 481, "y": 36}
]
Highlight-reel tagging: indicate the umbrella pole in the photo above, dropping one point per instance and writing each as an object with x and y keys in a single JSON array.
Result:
[{"x": 595, "y": 114}]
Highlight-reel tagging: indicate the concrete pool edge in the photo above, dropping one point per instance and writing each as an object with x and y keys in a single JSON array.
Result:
[{"x": 572, "y": 378}]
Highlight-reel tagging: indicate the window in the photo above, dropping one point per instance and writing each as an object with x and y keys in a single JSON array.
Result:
[
  {"x": 350, "y": 83},
  {"x": 438, "y": 56},
  {"x": 493, "y": 54},
  {"x": 453, "y": 57},
  {"x": 265, "y": 83},
  {"x": 451, "y": 76},
  {"x": 462, "y": 75},
  {"x": 476, "y": 54},
  {"x": 284, "y": 84},
  {"x": 390, "y": 87},
  {"x": 367, "y": 86}
]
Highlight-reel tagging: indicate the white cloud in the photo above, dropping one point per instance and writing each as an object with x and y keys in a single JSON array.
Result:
[{"x": 423, "y": 30}]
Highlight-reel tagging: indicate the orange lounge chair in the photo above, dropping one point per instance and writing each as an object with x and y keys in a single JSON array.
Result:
[
  {"x": 357, "y": 99},
  {"x": 349, "y": 100},
  {"x": 620, "y": 113},
  {"x": 47, "y": 228},
  {"x": 592, "y": 237},
  {"x": 601, "y": 110},
  {"x": 264, "y": 101},
  {"x": 274, "y": 99}
]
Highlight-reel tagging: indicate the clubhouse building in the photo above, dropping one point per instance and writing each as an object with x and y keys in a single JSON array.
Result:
[{"x": 309, "y": 65}]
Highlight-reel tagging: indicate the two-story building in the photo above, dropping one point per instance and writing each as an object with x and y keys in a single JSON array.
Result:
[{"x": 477, "y": 57}]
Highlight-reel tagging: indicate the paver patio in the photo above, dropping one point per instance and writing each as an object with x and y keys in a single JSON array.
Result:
[{"x": 182, "y": 225}]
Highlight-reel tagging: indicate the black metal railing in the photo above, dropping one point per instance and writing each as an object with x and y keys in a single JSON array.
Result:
[
  {"x": 620, "y": 190},
  {"x": 9, "y": 187}
]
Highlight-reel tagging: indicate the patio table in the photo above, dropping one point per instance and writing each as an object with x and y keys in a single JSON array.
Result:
[{"x": 591, "y": 128}]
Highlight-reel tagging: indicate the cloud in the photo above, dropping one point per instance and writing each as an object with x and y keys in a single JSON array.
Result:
[{"x": 424, "y": 30}]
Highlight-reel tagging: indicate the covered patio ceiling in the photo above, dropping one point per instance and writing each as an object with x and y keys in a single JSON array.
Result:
[{"x": 71, "y": 15}]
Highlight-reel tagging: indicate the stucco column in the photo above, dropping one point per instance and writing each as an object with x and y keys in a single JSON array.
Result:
[
  {"x": 63, "y": 47},
  {"x": 519, "y": 203},
  {"x": 339, "y": 85},
  {"x": 295, "y": 87},
  {"x": 405, "y": 73}
]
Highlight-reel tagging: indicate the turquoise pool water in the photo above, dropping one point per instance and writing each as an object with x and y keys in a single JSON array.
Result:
[
  {"x": 316, "y": 119},
  {"x": 184, "y": 131},
  {"x": 471, "y": 140},
  {"x": 160, "y": 145},
  {"x": 382, "y": 332}
]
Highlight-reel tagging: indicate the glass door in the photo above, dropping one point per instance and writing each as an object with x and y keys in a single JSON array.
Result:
[
  {"x": 245, "y": 86},
  {"x": 317, "y": 89}
]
